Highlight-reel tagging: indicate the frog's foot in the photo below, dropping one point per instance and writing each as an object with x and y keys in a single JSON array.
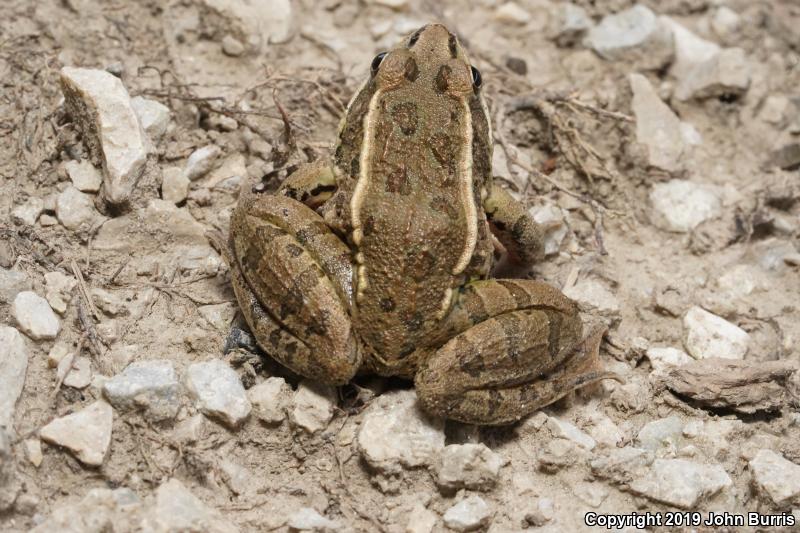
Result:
[
  {"x": 527, "y": 354},
  {"x": 292, "y": 279}
]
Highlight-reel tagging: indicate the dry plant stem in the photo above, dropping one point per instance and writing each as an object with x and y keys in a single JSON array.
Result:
[{"x": 84, "y": 291}]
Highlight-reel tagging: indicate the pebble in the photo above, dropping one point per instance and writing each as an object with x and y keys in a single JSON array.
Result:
[
  {"x": 593, "y": 296},
  {"x": 101, "y": 106},
  {"x": 726, "y": 73},
  {"x": 108, "y": 302},
  {"x": 593, "y": 494},
  {"x": 177, "y": 509},
  {"x": 231, "y": 46},
  {"x": 786, "y": 157},
  {"x": 421, "y": 519},
  {"x": 13, "y": 366},
  {"x": 512, "y": 13},
  {"x": 219, "y": 316},
  {"x": 603, "y": 430},
  {"x": 394, "y": 4},
  {"x": 153, "y": 116},
  {"x": 312, "y": 406},
  {"x": 395, "y": 433},
  {"x": 58, "y": 290},
  {"x": 707, "y": 335},
  {"x": 681, "y": 483},
  {"x": 75, "y": 371},
  {"x": 553, "y": 221},
  {"x": 236, "y": 477},
  {"x": 201, "y": 161},
  {"x": 308, "y": 519},
  {"x": 34, "y": 316},
  {"x": 47, "y": 221},
  {"x": 662, "y": 359},
  {"x": 635, "y": 34},
  {"x": 543, "y": 512},
  {"x": 681, "y": 205},
  {"x": 776, "y": 477},
  {"x": 150, "y": 385},
  {"x": 174, "y": 185},
  {"x": 725, "y": 22},
  {"x": 13, "y": 282},
  {"x": 84, "y": 176},
  {"x": 75, "y": 210},
  {"x": 558, "y": 454},
  {"x": 563, "y": 429},
  {"x": 190, "y": 430},
  {"x": 776, "y": 109},
  {"x": 469, "y": 514},
  {"x": 472, "y": 466},
  {"x": 86, "y": 433},
  {"x": 572, "y": 24},
  {"x": 33, "y": 451},
  {"x": 660, "y": 434},
  {"x": 621, "y": 465},
  {"x": 270, "y": 400},
  {"x": 690, "y": 49},
  {"x": 28, "y": 212},
  {"x": 657, "y": 127},
  {"x": 218, "y": 391}
]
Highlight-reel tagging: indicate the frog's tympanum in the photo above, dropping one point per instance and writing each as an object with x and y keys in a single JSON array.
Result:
[{"x": 378, "y": 261}]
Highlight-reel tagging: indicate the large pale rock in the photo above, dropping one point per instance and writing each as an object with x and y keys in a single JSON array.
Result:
[
  {"x": 101, "y": 107},
  {"x": 469, "y": 514},
  {"x": 177, "y": 509},
  {"x": 657, "y": 127},
  {"x": 313, "y": 406},
  {"x": 13, "y": 365},
  {"x": 636, "y": 35},
  {"x": 707, "y": 335},
  {"x": 776, "y": 477},
  {"x": 680, "y": 205},
  {"x": 472, "y": 466},
  {"x": 681, "y": 483},
  {"x": 86, "y": 433},
  {"x": 75, "y": 210},
  {"x": 270, "y": 400},
  {"x": 396, "y": 433},
  {"x": 725, "y": 73},
  {"x": 84, "y": 176},
  {"x": 218, "y": 391},
  {"x": 690, "y": 49},
  {"x": 148, "y": 385},
  {"x": 34, "y": 316}
]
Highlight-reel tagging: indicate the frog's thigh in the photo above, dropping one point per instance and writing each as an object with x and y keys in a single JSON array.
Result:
[
  {"x": 295, "y": 284},
  {"x": 511, "y": 363},
  {"x": 514, "y": 227}
]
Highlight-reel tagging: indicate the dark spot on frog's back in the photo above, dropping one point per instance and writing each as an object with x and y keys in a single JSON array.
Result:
[
  {"x": 443, "y": 147},
  {"x": 369, "y": 225},
  {"x": 397, "y": 181},
  {"x": 293, "y": 250},
  {"x": 405, "y": 116},
  {"x": 451, "y": 44},
  {"x": 442, "y": 205},
  {"x": 411, "y": 71},
  {"x": 387, "y": 304},
  {"x": 443, "y": 78}
]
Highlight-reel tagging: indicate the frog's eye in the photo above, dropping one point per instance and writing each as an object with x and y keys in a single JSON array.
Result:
[
  {"x": 477, "y": 81},
  {"x": 376, "y": 62}
]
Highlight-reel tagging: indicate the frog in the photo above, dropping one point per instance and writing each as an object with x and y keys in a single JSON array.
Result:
[{"x": 378, "y": 260}]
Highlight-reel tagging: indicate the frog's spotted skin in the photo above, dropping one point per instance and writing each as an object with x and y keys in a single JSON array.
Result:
[{"x": 390, "y": 277}]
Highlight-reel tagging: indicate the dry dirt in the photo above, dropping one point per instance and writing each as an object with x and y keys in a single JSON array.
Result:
[{"x": 172, "y": 52}]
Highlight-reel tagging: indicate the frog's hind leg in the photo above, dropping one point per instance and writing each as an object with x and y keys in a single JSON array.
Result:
[
  {"x": 523, "y": 352},
  {"x": 294, "y": 285},
  {"x": 510, "y": 222}
]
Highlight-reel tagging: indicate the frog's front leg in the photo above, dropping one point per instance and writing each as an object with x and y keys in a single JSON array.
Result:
[
  {"x": 293, "y": 278},
  {"x": 514, "y": 227},
  {"x": 523, "y": 351}
]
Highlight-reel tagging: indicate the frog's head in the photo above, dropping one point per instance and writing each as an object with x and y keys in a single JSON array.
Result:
[{"x": 430, "y": 53}]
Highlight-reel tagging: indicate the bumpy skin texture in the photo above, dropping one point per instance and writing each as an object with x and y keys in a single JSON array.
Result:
[{"x": 390, "y": 277}]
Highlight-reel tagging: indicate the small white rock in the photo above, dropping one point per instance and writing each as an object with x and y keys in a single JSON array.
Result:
[
  {"x": 149, "y": 385},
  {"x": 177, "y": 509},
  {"x": 725, "y": 22},
  {"x": 218, "y": 391},
  {"x": 84, "y": 176},
  {"x": 59, "y": 290},
  {"x": 13, "y": 366},
  {"x": 726, "y": 73},
  {"x": 472, "y": 466},
  {"x": 108, "y": 302},
  {"x": 572, "y": 23},
  {"x": 219, "y": 316},
  {"x": 34, "y": 316},
  {"x": 57, "y": 353},
  {"x": 308, "y": 519},
  {"x": 421, "y": 519},
  {"x": 395, "y": 433},
  {"x": 635, "y": 34},
  {"x": 469, "y": 514},
  {"x": 76, "y": 372},
  {"x": 593, "y": 296},
  {"x": 552, "y": 219},
  {"x": 75, "y": 210},
  {"x": 512, "y": 13},
  {"x": 776, "y": 477},
  {"x": 153, "y": 116},
  {"x": 33, "y": 451},
  {"x": 231, "y": 46},
  {"x": 28, "y": 212},
  {"x": 563, "y": 429},
  {"x": 681, "y": 483},
  {"x": 174, "y": 185},
  {"x": 665, "y": 358},
  {"x": 707, "y": 335},
  {"x": 690, "y": 49},
  {"x": 680, "y": 205},
  {"x": 201, "y": 161},
  {"x": 12, "y": 282},
  {"x": 543, "y": 512},
  {"x": 662, "y": 433},
  {"x": 86, "y": 433},
  {"x": 270, "y": 400},
  {"x": 190, "y": 430},
  {"x": 394, "y": 4},
  {"x": 313, "y": 406}
]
